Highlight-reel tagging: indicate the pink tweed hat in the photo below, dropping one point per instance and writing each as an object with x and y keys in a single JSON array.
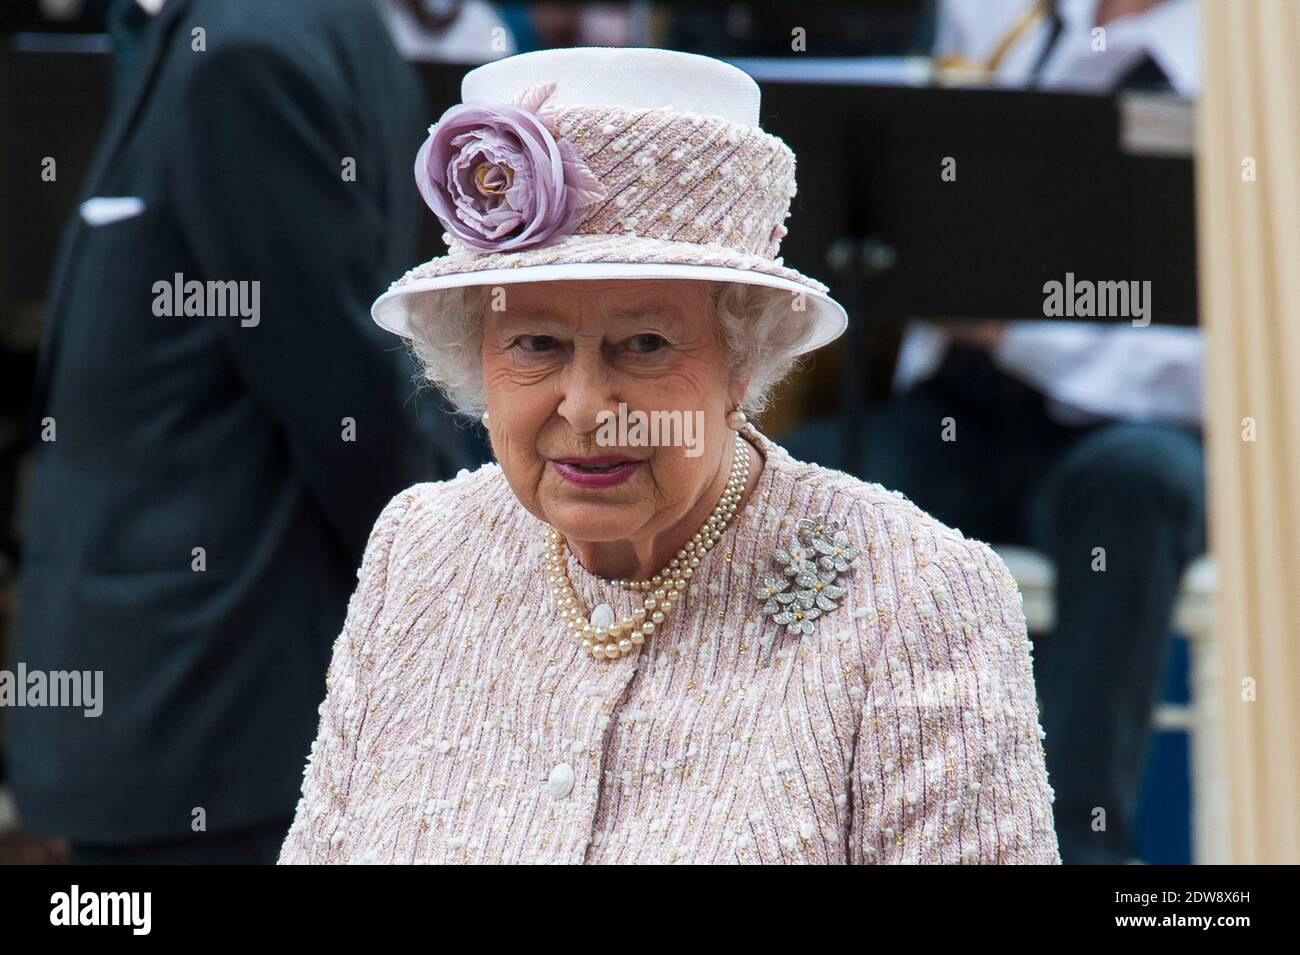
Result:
[{"x": 606, "y": 163}]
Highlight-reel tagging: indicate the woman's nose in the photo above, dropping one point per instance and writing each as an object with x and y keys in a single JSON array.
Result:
[{"x": 588, "y": 389}]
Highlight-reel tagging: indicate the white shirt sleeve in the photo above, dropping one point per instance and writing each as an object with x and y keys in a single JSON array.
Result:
[
  {"x": 919, "y": 354},
  {"x": 1149, "y": 373}
]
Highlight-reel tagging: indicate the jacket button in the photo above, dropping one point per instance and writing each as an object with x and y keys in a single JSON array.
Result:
[{"x": 561, "y": 781}]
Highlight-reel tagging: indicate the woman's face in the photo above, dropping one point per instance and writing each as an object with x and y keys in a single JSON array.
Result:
[{"x": 558, "y": 360}]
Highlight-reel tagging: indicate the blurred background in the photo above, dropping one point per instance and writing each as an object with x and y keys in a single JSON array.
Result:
[{"x": 1046, "y": 220}]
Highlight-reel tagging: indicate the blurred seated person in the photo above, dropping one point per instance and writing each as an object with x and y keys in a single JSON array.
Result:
[{"x": 1080, "y": 439}]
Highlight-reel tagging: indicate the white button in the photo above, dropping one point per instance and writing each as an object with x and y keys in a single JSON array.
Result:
[{"x": 561, "y": 781}]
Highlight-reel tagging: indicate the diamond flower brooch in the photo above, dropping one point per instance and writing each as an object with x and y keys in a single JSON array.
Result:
[{"x": 810, "y": 583}]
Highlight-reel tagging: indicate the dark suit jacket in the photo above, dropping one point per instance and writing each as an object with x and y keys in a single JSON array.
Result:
[{"x": 176, "y": 433}]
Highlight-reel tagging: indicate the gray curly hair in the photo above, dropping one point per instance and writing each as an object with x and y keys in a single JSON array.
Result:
[{"x": 761, "y": 330}]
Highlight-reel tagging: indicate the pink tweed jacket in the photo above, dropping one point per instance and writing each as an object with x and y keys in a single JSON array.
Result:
[{"x": 463, "y": 723}]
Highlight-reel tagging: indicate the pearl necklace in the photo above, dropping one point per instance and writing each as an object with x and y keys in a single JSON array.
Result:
[{"x": 609, "y": 639}]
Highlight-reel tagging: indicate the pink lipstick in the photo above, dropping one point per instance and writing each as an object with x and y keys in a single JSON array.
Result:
[{"x": 606, "y": 470}]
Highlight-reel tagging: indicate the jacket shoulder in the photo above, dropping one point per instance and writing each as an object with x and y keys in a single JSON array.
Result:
[
  {"x": 314, "y": 41},
  {"x": 872, "y": 503},
  {"x": 273, "y": 24},
  {"x": 899, "y": 541},
  {"x": 456, "y": 508}
]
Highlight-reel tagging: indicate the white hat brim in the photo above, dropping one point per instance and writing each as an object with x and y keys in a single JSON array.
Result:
[{"x": 393, "y": 309}]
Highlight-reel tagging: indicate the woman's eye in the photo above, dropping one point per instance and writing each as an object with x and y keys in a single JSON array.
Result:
[
  {"x": 535, "y": 343},
  {"x": 647, "y": 343}
]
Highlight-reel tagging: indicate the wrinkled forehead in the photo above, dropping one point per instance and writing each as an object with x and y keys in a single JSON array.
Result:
[{"x": 590, "y": 303}]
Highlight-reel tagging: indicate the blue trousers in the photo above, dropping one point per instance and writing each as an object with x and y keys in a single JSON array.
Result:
[{"x": 1131, "y": 495}]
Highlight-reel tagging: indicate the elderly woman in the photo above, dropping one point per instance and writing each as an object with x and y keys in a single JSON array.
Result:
[{"x": 622, "y": 643}]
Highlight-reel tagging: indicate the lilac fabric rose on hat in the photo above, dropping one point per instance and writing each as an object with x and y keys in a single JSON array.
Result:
[{"x": 499, "y": 178}]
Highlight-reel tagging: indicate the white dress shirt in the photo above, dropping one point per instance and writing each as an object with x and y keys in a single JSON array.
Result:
[{"x": 1088, "y": 371}]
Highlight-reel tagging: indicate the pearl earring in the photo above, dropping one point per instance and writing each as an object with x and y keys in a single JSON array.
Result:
[
  {"x": 736, "y": 420},
  {"x": 484, "y": 419}
]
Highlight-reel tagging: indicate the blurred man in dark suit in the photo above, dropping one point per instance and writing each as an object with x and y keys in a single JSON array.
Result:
[{"x": 219, "y": 422}]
